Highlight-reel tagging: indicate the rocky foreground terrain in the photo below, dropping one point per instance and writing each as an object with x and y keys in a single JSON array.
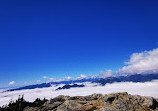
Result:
[{"x": 99, "y": 102}]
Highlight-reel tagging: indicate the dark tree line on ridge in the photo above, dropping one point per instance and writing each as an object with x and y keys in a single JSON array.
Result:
[{"x": 20, "y": 104}]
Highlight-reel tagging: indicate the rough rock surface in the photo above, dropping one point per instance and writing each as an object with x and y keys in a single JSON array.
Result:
[{"x": 99, "y": 102}]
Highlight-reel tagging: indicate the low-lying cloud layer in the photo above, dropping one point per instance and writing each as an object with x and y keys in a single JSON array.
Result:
[
  {"x": 142, "y": 63},
  {"x": 144, "y": 89}
]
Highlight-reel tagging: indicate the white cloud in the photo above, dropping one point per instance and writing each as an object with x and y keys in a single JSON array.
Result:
[
  {"x": 64, "y": 79},
  {"x": 45, "y": 77},
  {"x": 142, "y": 63},
  {"x": 12, "y": 83},
  {"x": 49, "y": 79},
  {"x": 68, "y": 77},
  {"x": 144, "y": 89},
  {"x": 105, "y": 74},
  {"x": 52, "y": 79},
  {"x": 83, "y": 76}
]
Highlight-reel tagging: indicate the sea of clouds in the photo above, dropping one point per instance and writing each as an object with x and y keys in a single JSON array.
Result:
[
  {"x": 144, "y": 89},
  {"x": 145, "y": 62}
]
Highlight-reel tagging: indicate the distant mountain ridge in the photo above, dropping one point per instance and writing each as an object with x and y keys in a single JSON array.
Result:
[
  {"x": 54, "y": 83},
  {"x": 67, "y": 86},
  {"x": 76, "y": 81},
  {"x": 31, "y": 87},
  {"x": 102, "y": 81},
  {"x": 130, "y": 78}
]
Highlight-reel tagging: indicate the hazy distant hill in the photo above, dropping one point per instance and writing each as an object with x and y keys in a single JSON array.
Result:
[
  {"x": 32, "y": 86},
  {"x": 54, "y": 83},
  {"x": 130, "y": 78},
  {"x": 67, "y": 86},
  {"x": 103, "y": 81}
]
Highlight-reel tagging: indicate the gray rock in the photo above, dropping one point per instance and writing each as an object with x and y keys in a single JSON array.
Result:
[
  {"x": 31, "y": 109},
  {"x": 99, "y": 102}
]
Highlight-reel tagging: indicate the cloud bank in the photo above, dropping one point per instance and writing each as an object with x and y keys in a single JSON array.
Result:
[
  {"x": 144, "y": 89},
  {"x": 142, "y": 63}
]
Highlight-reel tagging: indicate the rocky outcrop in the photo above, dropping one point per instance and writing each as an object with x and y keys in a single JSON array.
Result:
[
  {"x": 67, "y": 86},
  {"x": 99, "y": 102}
]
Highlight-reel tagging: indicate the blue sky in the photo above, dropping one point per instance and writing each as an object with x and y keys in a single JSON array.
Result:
[{"x": 69, "y": 38}]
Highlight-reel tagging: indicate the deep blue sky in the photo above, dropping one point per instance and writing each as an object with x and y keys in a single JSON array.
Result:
[{"x": 60, "y": 38}]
